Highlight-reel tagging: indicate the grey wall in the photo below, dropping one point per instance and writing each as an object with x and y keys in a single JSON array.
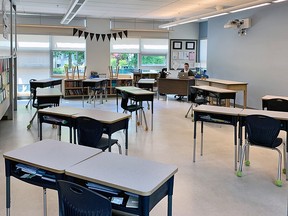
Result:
[{"x": 259, "y": 58}]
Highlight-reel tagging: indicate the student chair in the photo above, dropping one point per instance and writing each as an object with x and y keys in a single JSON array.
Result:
[
  {"x": 30, "y": 96},
  {"x": 132, "y": 108},
  {"x": 39, "y": 105},
  {"x": 195, "y": 101},
  {"x": 262, "y": 131},
  {"x": 90, "y": 132},
  {"x": 76, "y": 200}
]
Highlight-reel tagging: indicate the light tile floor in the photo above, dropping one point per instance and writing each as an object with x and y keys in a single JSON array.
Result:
[{"x": 208, "y": 187}]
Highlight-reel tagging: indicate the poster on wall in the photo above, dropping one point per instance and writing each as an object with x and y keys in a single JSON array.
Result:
[{"x": 182, "y": 51}]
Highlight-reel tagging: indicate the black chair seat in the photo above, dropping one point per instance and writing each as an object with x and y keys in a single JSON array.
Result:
[
  {"x": 103, "y": 143},
  {"x": 277, "y": 142},
  {"x": 133, "y": 108}
]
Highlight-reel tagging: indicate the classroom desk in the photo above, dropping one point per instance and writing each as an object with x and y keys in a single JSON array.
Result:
[
  {"x": 43, "y": 83},
  {"x": 151, "y": 181},
  {"x": 138, "y": 95},
  {"x": 65, "y": 116},
  {"x": 95, "y": 83},
  {"x": 269, "y": 97},
  {"x": 175, "y": 86},
  {"x": 217, "y": 115},
  {"x": 48, "y": 95},
  {"x": 146, "y": 84},
  {"x": 226, "y": 84},
  {"x": 49, "y": 156},
  {"x": 218, "y": 93},
  {"x": 281, "y": 116}
]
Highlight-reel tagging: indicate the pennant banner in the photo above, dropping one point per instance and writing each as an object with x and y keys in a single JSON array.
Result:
[
  {"x": 79, "y": 33},
  {"x": 97, "y": 36},
  {"x": 126, "y": 33},
  {"x": 120, "y": 34},
  {"x": 109, "y": 36},
  {"x": 75, "y": 31},
  {"x": 114, "y": 35},
  {"x": 86, "y": 34},
  {"x": 91, "y": 36},
  {"x": 103, "y": 36}
]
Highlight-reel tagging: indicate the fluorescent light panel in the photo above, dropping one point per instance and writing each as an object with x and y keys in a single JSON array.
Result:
[
  {"x": 74, "y": 7},
  {"x": 216, "y": 15},
  {"x": 248, "y": 8},
  {"x": 277, "y": 1}
]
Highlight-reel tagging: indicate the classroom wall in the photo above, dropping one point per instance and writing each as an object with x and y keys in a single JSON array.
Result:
[{"x": 259, "y": 58}]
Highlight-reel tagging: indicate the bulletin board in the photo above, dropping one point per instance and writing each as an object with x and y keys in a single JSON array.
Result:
[{"x": 182, "y": 51}]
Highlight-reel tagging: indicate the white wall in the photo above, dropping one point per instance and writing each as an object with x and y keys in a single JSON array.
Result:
[
  {"x": 259, "y": 58},
  {"x": 98, "y": 53},
  {"x": 186, "y": 31}
]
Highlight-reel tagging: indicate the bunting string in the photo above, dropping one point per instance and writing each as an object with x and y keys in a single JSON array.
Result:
[{"x": 97, "y": 36}]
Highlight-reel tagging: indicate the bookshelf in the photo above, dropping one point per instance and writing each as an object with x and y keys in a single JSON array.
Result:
[
  {"x": 4, "y": 85},
  {"x": 73, "y": 87}
]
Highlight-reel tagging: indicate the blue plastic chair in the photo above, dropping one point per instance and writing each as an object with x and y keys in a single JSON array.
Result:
[
  {"x": 262, "y": 131},
  {"x": 89, "y": 133},
  {"x": 75, "y": 200}
]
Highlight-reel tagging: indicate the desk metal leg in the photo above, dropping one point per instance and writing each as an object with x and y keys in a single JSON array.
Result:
[
  {"x": 201, "y": 138},
  {"x": 8, "y": 198},
  {"x": 117, "y": 99},
  {"x": 152, "y": 114},
  {"x": 40, "y": 129},
  {"x": 83, "y": 98},
  {"x": 235, "y": 143},
  {"x": 194, "y": 148},
  {"x": 59, "y": 132},
  {"x": 169, "y": 210},
  {"x": 126, "y": 140},
  {"x": 45, "y": 201}
]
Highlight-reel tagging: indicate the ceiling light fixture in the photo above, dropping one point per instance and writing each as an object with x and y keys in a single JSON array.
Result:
[
  {"x": 251, "y": 7},
  {"x": 219, "y": 12},
  {"x": 277, "y": 1},
  {"x": 74, "y": 7}
]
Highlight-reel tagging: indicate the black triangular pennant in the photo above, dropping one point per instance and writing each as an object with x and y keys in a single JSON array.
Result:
[
  {"x": 120, "y": 34},
  {"x": 109, "y": 36},
  {"x": 74, "y": 31},
  {"x": 91, "y": 36},
  {"x": 103, "y": 36},
  {"x": 97, "y": 36},
  {"x": 80, "y": 33},
  {"x": 126, "y": 33},
  {"x": 114, "y": 35},
  {"x": 86, "y": 34}
]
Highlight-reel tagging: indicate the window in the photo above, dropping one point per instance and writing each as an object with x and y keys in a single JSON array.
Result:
[
  {"x": 153, "y": 60},
  {"x": 133, "y": 53},
  {"x": 127, "y": 62},
  {"x": 67, "y": 52},
  {"x": 68, "y": 59}
]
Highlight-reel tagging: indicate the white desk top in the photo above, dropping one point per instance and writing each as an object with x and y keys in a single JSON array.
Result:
[
  {"x": 226, "y": 82},
  {"x": 51, "y": 155},
  {"x": 95, "y": 80},
  {"x": 274, "y": 114},
  {"x": 134, "y": 90},
  {"x": 61, "y": 110},
  {"x": 102, "y": 116},
  {"x": 218, "y": 110},
  {"x": 269, "y": 97},
  {"x": 73, "y": 112},
  {"x": 48, "y": 92},
  {"x": 126, "y": 173},
  {"x": 146, "y": 81},
  {"x": 47, "y": 80},
  {"x": 214, "y": 89}
]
